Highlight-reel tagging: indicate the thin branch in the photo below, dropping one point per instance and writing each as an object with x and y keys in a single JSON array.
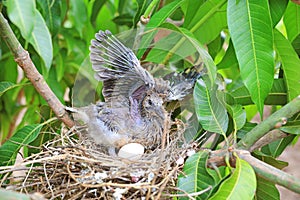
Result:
[
  {"x": 270, "y": 173},
  {"x": 24, "y": 61},
  {"x": 276, "y": 120},
  {"x": 268, "y": 138}
]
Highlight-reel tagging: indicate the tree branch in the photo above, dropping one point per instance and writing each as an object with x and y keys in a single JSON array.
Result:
[
  {"x": 276, "y": 120},
  {"x": 271, "y": 136},
  {"x": 270, "y": 173},
  {"x": 24, "y": 61},
  {"x": 262, "y": 169}
]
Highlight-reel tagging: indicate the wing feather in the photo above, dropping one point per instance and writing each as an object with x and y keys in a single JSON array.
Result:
[{"x": 118, "y": 68}]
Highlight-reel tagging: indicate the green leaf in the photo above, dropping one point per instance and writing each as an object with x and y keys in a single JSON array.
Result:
[
  {"x": 163, "y": 51},
  {"x": 51, "y": 13},
  {"x": 250, "y": 27},
  {"x": 229, "y": 60},
  {"x": 270, "y": 160},
  {"x": 141, "y": 8},
  {"x": 246, "y": 128},
  {"x": 196, "y": 178},
  {"x": 266, "y": 190},
  {"x": 160, "y": 17},
  {"x": 296, "y": 44},
  {"x": 5, "y": 86},
  {"x": 9, "y": 150},
  {"x": 124, "y": 19},
  {"x": 156, "y": 20},
  {"x": 277, "y": 147},
  {"x": 22, "y": 14},
  {"x": 278, "y": 94},
  {"x": 238, "y": 115},
  {"x": 78, "y": 15},
  {"x": 95, "y": 10},
  {"x": 208, "y": 21},
  {"x": 240, "y": 185},
  {"x": 215, "y": 47},
  {"x": 291, "y": 20},
  {"x": 292, "y": 127},
  {"x": 179, "y": 44},
  {"x": 41, "y": 40},
  {"x": 290, "y": 64},
  {"x": 210, "y": 110},
  {"x": 191, "y": 10},
  {"x": 277, "y": 8},
  {"x": 122, "y": 5}
]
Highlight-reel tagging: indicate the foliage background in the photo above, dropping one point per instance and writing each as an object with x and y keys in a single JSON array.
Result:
[{"x": 254, "y": 44}]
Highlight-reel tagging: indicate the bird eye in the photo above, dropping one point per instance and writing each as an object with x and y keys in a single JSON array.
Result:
[{"x": 150, "y": 102}]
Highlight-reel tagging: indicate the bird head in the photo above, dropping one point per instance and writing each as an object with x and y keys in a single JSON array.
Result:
[{"x": 153, "y": 106}]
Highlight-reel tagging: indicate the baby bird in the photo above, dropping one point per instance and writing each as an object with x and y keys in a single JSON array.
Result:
[{"x": 133, "y": 110}]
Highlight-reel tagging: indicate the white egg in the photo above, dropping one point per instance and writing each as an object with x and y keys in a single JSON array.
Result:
[{"x": 131, "y": 151}]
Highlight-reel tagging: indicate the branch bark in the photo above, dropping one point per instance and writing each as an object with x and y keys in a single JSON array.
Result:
[
  {"x": 276, "y": 120},
  {"x": 24, "y": 61},
  {"x": 271, "y": 136},
  {"x": 262, "y": 169},
  {"x": 270, "y": 173}
]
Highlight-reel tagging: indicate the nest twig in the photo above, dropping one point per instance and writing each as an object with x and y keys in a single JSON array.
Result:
[{"x": 67, "y": 168}]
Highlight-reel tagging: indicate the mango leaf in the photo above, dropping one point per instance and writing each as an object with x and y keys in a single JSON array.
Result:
[
  {"x": 290, "y": 64},
  {"x": 278, "y": 94},
  {"x": 238, "y": 115},
  {"x": 245, "y": 129},
  {"x": 41, "y": 40},
  {"x": 291, "y": 20},
  {"x": 191, "y": 8},
  {"x": 210, "y": 110},
  {"x": 196, "y": 178},
  {"x": 164, "y": 51},
  {"x": 296, "y": 44},
  {"x": 277, "y": 9},
  {"x": 250, "y": 28},
  {"x": 4, "y": 86},
  {"x": 241, "y": 95},
  {"x": 9, "y": 150},
  {"x": 215, "y": 47},
  {"x": 266, "y": 190},
  {"x": 51, "y": 11},
  {"x": 229, "y": 60},
  {"x": 124, "y": 19},
  {"x": 78, "y": 15},
  {"x": 292, "y": 127},
  {"x": 22, "y": 14},
  {"x": 208, "y": 21},
  {"x": 141, "y": 8},
  {"x": 95, "y": 10},
  {"x": 179, "y": 44},
  {"x": 270, "y": 160},
  {"x": 277, "y": 147},
  {"x": 156, "y": 20},
  {"x": 240, "y": 185}
]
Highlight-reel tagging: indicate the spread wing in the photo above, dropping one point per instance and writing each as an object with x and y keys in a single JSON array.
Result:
[
  {"x": 182, "y": 84},
  {"x": 118, "y": 68}
]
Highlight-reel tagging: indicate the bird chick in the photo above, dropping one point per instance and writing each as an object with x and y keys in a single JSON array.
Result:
[{"x": 133, "y": 110}]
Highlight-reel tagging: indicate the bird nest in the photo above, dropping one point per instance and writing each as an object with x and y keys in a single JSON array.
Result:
[{"x": 70, "y": 168}]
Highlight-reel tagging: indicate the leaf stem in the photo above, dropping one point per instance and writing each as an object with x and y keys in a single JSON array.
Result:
[{"x": 150, "y": 8}]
